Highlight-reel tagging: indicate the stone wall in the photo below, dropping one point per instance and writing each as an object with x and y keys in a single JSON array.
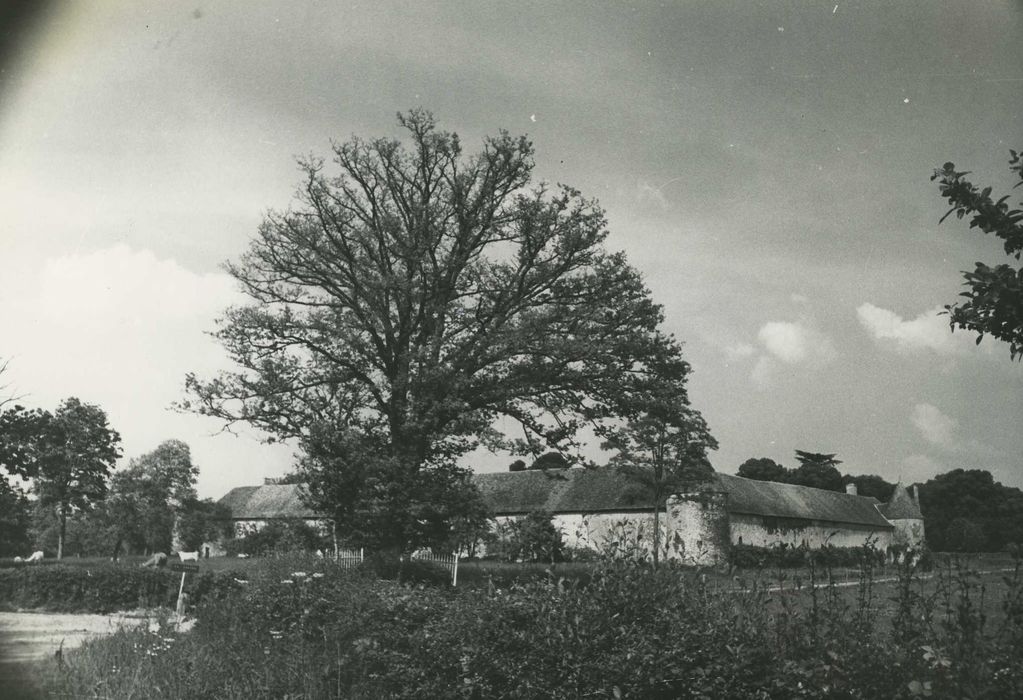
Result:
[
  {"x": 908, "y": 532},
  {"x": 700, "y": 528},
  {"x": 760, "y": 531}
]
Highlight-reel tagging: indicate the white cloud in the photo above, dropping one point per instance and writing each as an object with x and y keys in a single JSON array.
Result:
[
  {"x": 794, "y": 343},
  {"x": 935, "y": 426},
  {"x": 928, "y": 331},
  {"x": 120, "y": 328}
]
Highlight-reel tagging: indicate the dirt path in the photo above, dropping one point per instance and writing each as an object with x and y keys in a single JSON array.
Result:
[{"x": 29, "y": 637}]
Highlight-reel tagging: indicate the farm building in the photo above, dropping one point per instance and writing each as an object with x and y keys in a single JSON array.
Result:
[
  {"x": 253, "y": 507},
  {"x": 593, "y": 506}
]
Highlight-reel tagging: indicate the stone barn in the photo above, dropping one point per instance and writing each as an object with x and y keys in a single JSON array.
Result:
[{"x": 591, "y": 506}]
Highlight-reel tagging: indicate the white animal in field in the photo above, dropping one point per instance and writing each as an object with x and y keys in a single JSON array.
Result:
[
  {"x": 36, "y": 556},
  {"x": 189, "y": 556}
]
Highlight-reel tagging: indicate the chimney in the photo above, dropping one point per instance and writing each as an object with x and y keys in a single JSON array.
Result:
[
  {"x": 915, "y": 490},
  {"x": 850, "y": 489}
]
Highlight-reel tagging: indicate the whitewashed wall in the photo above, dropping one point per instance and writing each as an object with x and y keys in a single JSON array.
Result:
[
  {"x": 752, "y": 530},
  {"x": 908, "y": 532},
  {"x": 598, "y": 531}
]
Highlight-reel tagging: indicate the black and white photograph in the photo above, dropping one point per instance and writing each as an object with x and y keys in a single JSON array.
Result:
[{"x": 508, "y": 350}]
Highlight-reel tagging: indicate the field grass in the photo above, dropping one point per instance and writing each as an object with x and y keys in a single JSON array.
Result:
[{"x": 605, "y": 630}]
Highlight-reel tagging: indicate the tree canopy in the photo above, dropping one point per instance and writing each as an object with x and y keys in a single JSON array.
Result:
[
  {"x": 816, "y": 470},
  {"x": 410, "y": 297},
  {"x": 994, "y": 298},
  {"x": 147, "y": 497},
  {"x": 967, "y": 510},
  {"x": 72, "y": 453}
]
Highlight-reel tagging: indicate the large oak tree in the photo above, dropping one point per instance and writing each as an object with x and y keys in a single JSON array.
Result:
[{"x": 410, "y": 297}]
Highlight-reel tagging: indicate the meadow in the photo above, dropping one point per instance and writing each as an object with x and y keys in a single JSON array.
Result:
[{"x": 300, "y": 627}]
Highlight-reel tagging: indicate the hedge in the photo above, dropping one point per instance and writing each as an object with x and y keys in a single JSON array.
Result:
[{"x": 104, "y": 587}]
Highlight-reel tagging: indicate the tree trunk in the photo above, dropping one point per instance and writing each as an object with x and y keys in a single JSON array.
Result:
[
  {"x": 657, "y": 534},
  {"x": 62, "y": 516},
  {"x": 117, "y": 549}
]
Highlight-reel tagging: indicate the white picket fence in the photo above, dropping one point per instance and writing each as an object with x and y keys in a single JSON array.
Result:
[
  {"x": 447, "y": 561},
  {"x": 350, "y": 558}
]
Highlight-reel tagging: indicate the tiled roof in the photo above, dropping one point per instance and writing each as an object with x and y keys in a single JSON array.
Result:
[
  {"x": 772, "y": 499},
  {"x": 267, "y": 502},
  {"x": 901, "y": 505},
  {"x": 606, "y": 489}
]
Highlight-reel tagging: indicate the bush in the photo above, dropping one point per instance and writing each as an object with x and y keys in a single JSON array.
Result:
[
  {"x": 532, "y": 538},
  {"x": 103, "y": 587},
  {"x": 279, "y": 537},
  {"x": 307, "y": 628},
  {"x": 745, "y": 556}
]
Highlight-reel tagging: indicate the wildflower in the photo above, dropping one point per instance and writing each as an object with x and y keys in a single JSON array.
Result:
[
  {"x": 298, "y": 574},
  {"x": 318, "y": 575},
  {"x": 287, "y": 580}
]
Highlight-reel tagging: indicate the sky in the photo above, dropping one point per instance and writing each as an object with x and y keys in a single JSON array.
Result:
[{"x": 764, "y": 165}]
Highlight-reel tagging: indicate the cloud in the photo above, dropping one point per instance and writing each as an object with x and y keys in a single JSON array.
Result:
[
  {"x": 120, "y": 328},
  {"x": 784, "y": 343},
  {"x": 935, "y": 426},
  {"x": 928, "y": 331},
  {"x": 794, "y": 343}
]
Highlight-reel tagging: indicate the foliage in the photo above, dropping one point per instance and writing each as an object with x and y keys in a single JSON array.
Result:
[
  {"x": 550, "y": 460},
  {"x": 146, "y": 498},
  {"x": 102, "y": 587},
  {"x": 871, "y": 485},
  {"x": 20, "y": 428},
  {"x": 816, "y": 470},
  {"x": 15, "y": 518},
  {"x": 662, "y": 449},
  {"x": 410, "y": 299},
  {"x": 308, "y": 629},
  {"x": 279, "y": 537},
  {"x": 202, "y": 520},
  {"x": 72, "y": 454},
  {"x": 967, "y": 510},
  {"x": 763, "y": 469},
  {"x": 994, "y": 299},
  {"x": 531, "y": 538},
  {"x": 745, "y": 556}
]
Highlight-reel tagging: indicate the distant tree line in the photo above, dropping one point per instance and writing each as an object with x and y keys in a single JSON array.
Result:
[
  {"x": 59, "y": 492},
  {"x": 965, "y": 510}
]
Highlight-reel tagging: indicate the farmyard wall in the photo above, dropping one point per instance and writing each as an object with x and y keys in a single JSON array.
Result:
[{"x": 760, "y": 531}]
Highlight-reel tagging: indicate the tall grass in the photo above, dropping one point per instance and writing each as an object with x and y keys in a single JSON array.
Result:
[{"x": 306, "y": 629}]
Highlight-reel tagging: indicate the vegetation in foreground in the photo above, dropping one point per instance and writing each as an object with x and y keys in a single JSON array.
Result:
[{"x": 304, "y": 629}]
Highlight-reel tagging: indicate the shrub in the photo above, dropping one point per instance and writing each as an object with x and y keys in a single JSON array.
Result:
[
  {"x": 532, "y": 538},
  {"x": 307, "y": 628},
  {"x": 279, "y": 537},
  {"x": 745, "y": 556},
  {"x": 103, "y": 587}
]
